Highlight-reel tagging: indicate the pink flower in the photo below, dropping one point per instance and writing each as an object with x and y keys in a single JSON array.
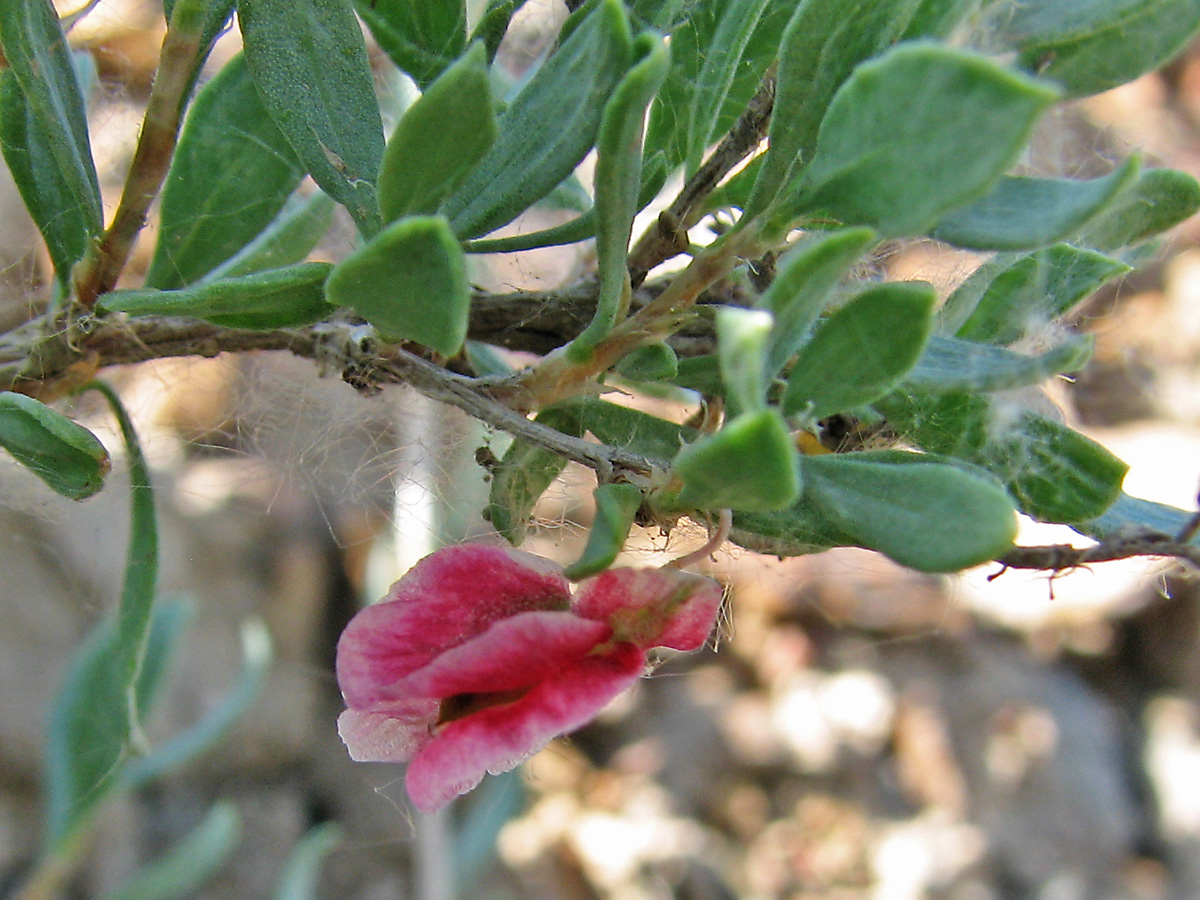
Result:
[{"x": 480, "y": 656}]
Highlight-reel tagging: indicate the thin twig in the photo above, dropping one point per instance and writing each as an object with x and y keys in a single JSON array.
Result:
[
  {"x": 668, "y": 237},
  {"x": 1060, "y": 557}
]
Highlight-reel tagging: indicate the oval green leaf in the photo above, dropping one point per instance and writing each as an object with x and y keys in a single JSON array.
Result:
[
  {"x": 422, "y": 37},
  {"x": 1011, "y": 297},
  {"x": 1026, "y": 213},
  {"x": 750, "y": 464},
  {"x": 64, "y": 454},
  {"x": 862, "y": 350},
  {"x": 923, "y": 513},
  {"x": 616, "y": 507},
  {"x": 548, "y": 128},
  {"x": 232, "y": 172},
  {"x": 410, "y": 282},
  {"x": 965, "y": 120},
  {"x": 440, "y": 138},
  {"x": 44, "y": 118},
  {"x": 952, "y": 364},
  {"x": 805, "y": 278},
  {"x": 309, "y": 63}
]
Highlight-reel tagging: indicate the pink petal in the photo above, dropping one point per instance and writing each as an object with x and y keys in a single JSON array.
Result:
[
  {"x": 501, "y": 737},
  {"x": 445, "y": 599},
  {"x": 388, "y": 733},
  {"x": 514, "y": 653},
  {"x": 652, "y": 607}
]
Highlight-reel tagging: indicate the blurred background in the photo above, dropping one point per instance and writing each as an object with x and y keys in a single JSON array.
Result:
[{"x": 854, "y": 730}]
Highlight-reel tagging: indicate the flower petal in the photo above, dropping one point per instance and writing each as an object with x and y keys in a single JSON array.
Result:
[
  {"x": 500, "y": 738},
  {"x": 388, "y": 733},
  {"x": 652, "y": 607},
  {"x": 514, "y": 653},
  {"x": 447, "y": 598}
]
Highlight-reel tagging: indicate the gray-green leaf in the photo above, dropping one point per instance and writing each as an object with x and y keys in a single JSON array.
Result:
[
  {"x": 806, "y": 276},
  {"x": 965, "y": 120},
  {"x": 277, "y": 298},
  {"x": 953, "y": 364},
  {"x": 750, "y": 464},
  {"x": 1089, "y": 46},
  {"x": 232, "y": 172},
  {"x": 1026, "y": 213},
  {"x": 64, "y": 454},
  {"x": 41, "y": 94},
  {"x": 422, "y": 37},
  {"x": 309, "y": 63},
  {"x": 410, "y": 282},
  {"x": 440, "y": 138},
  {"x": 548, "y": 128},
  {"x": 823, "y": 42},
  {"x": 1158, "y": 200},
  {"x": 862, "y": 350},
  {"x": 923, "y": 513},
  {"x": 1009, "y": 298}
]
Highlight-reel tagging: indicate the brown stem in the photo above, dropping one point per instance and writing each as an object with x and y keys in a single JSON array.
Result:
[
  {"x": 160, "y": 129},
  {"x": 1061, "y": 557},
  {"x": 668, "y": 238}
]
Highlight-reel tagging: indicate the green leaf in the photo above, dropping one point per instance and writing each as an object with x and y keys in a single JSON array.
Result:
[
  {"x": 862, "y": 350},
  {"x": 523, "y": 475},
  {"x": 796, "y": 531},
  {"x": 952, "y": 364},
  {"x": 66, "y": 226},
  {"x": 923, "y": 513},
  {"x": 64, "y": 454},
  {"x": 578, "y": 229},
  {"x": 1089, "y": 46},
  {"x": 548, "y": 128},
  {"x": 231, "y": 174},
  {"x": 43, "y": 112},
  {"x": 277, "y": 298},
  {"x": 965, "y": 120},
  {"x": 309, "y": 63},
  {"x": 410, "y": 282},
  {"x": 750, "y": 464},
  {"x": 96, "y": 714},
  {"x": 676, "y": 127},
  {"x": 806, "y": 276},
  {"x": 722, "y": 57},
  {"x": 653, "y": 362},
  {"x": 631, "y": 429},
  {"x": 1052, "y": 472},
  {"x": 616, "y": 508},
  {"x": 288, "y": 239},
  {"x": 701, "y": 374},
  {"x": 440, "y": 138},
  {"x": 1019, "y": 296},
  {"x": 190, "y": 863},
  {"x": 303, "y": 865},
  {"x": 1026, "y": 213},
  {"x": 618, "y": 182},
  {"x": 941, "y": 18},
  {"x": 422, "y": 37},
  {"x": 1130, "y": 516},
  {"x": 742, "y": 336},
  {"x": 1158, "y": 200},
  {"x": 216, "y": 724},
  {"x": 823, "y": 42}
]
